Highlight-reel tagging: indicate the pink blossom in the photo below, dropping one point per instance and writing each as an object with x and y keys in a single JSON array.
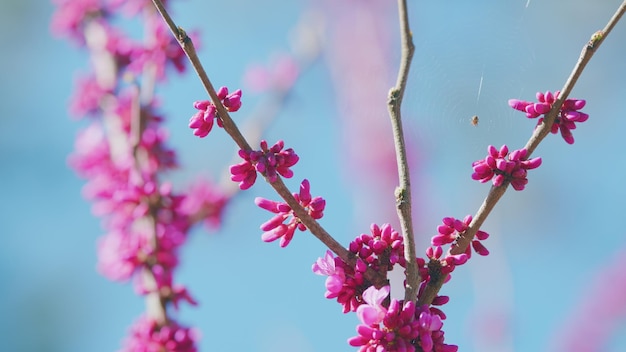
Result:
[
  {"x": 121, "y": 47},
  {"x": 382, "y": 240},
  {"x": 373, "y": 312},
  {"x": 449, "y": 232},
  {"x": 204, "y": 201},
  {"x": 270, "y": 162},
  {"x": 202, "y": 121},
  {"x": 118, "y": 256},
  {"x": 336, "y": 275},
  {"x": 147, "y": 336},
  {"x": 162, "y": 50},
  {"x": 275, "y": 228},
  {"x": 69, "y": 17},
  {"x": 87, "y": 96},
  {"x": 565, "y": 120},
  {"x": 232, "y": 102},
  {"x": 381, "y": 251},
  {"x": 398, "y": 327},
  {"x": 344, "y": 283},
  {"x": 496, "y": 166},
  {"x": 91, "y": 152}
]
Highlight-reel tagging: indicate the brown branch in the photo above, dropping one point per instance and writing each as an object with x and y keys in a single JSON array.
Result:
[
  {"x": 403, "y": 191},
  {"x": 231, "y": 128},
  {"x": 538, "y": 135}
]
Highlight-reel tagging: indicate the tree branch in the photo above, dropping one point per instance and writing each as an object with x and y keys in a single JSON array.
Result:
[
  {"x": 403, "y": 191},
  {"x": 231, "y": 128},
  {"x": 538, "y": 135}
]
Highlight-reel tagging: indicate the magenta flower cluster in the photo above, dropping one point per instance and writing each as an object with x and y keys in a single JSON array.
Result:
[
  {"x": 381, "y": 250},
  {"x": 270, "y": 162},
  {"x": 447, "y": 234},
  {"x": 450, "y": 231},
  {"x": 202, "y": 122},
  {"x": 275, "y": 228},
  {"x": 500, "y": 169},
  {"x": 397, "y": 326},
  {"x": 146, "y": 335},
  {"x": 566, "y": 119},
  {"x": 123, "y": 154},
  {"x": 392, "y": 325}
]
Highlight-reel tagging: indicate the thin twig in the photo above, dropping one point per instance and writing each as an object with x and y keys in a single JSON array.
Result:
[
  {"x": 403, "y": 191},
  {"x": 231, "y": 128},
  {"x": 495, "y": 193}
]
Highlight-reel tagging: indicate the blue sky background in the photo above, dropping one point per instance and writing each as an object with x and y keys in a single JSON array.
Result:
[{"x": 547, "y": 244}]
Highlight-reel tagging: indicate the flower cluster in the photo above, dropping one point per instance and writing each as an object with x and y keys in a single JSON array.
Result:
[
  {"x": 397, "y": 326},
  {"x": 123, "y": 153},
  {"x": 202, "y": 121},
  {"x": 448, "y": 233},
  {"x": 268, "y": 161},
  {"x": 275, "y": 228},
  {"x": 565, "y": 120},
  {"x": 392, "y": 325},
  {"x": 496, "y": 166},
  {"x": 146, "y": 335},
  {"x": 345, "y": 283},
  {"x": 450, "y": 230},
  {"x": 381, "y": 251}
]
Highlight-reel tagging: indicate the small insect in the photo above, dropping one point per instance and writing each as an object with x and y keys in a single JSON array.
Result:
[{"x": 474, "y": 120}]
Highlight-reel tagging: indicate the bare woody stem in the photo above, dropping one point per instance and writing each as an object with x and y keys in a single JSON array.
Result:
[
  {"x": 231, "y": 128},
  {"x": 403, "y": 191},
  {"x": 538, "y": 135}
]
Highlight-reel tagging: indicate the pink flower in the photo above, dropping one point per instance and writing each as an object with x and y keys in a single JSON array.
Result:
[
  {"x": 336, "y": 276},
  {"x": 344, "y": 282},
  {"x": 202, "y": 121},
  {"x": 400, "y": 327},
  {"x": 232, "y": 102},
  {"x": 448, "y": 233},
  {"x": 204, "y": 202},
  {"x": 69, "y": 16},
  {"x": 270, "y": 162},
  {"x": 162, "y": 50},
  {"x": 147, "y": 336},
  {"x": 275, "y": 227},
  {"x": 87, "y": 96},
  {"x": 565, "y": 120},
  {"x": 373, "y": 312},
  {"x": 244, "y": 172},
  {"x": 496, "y": 166},
  {"x": 118, "y": 256},
  {"x": 382, "y": 240},
  {"x": 381, "y": 251}
]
